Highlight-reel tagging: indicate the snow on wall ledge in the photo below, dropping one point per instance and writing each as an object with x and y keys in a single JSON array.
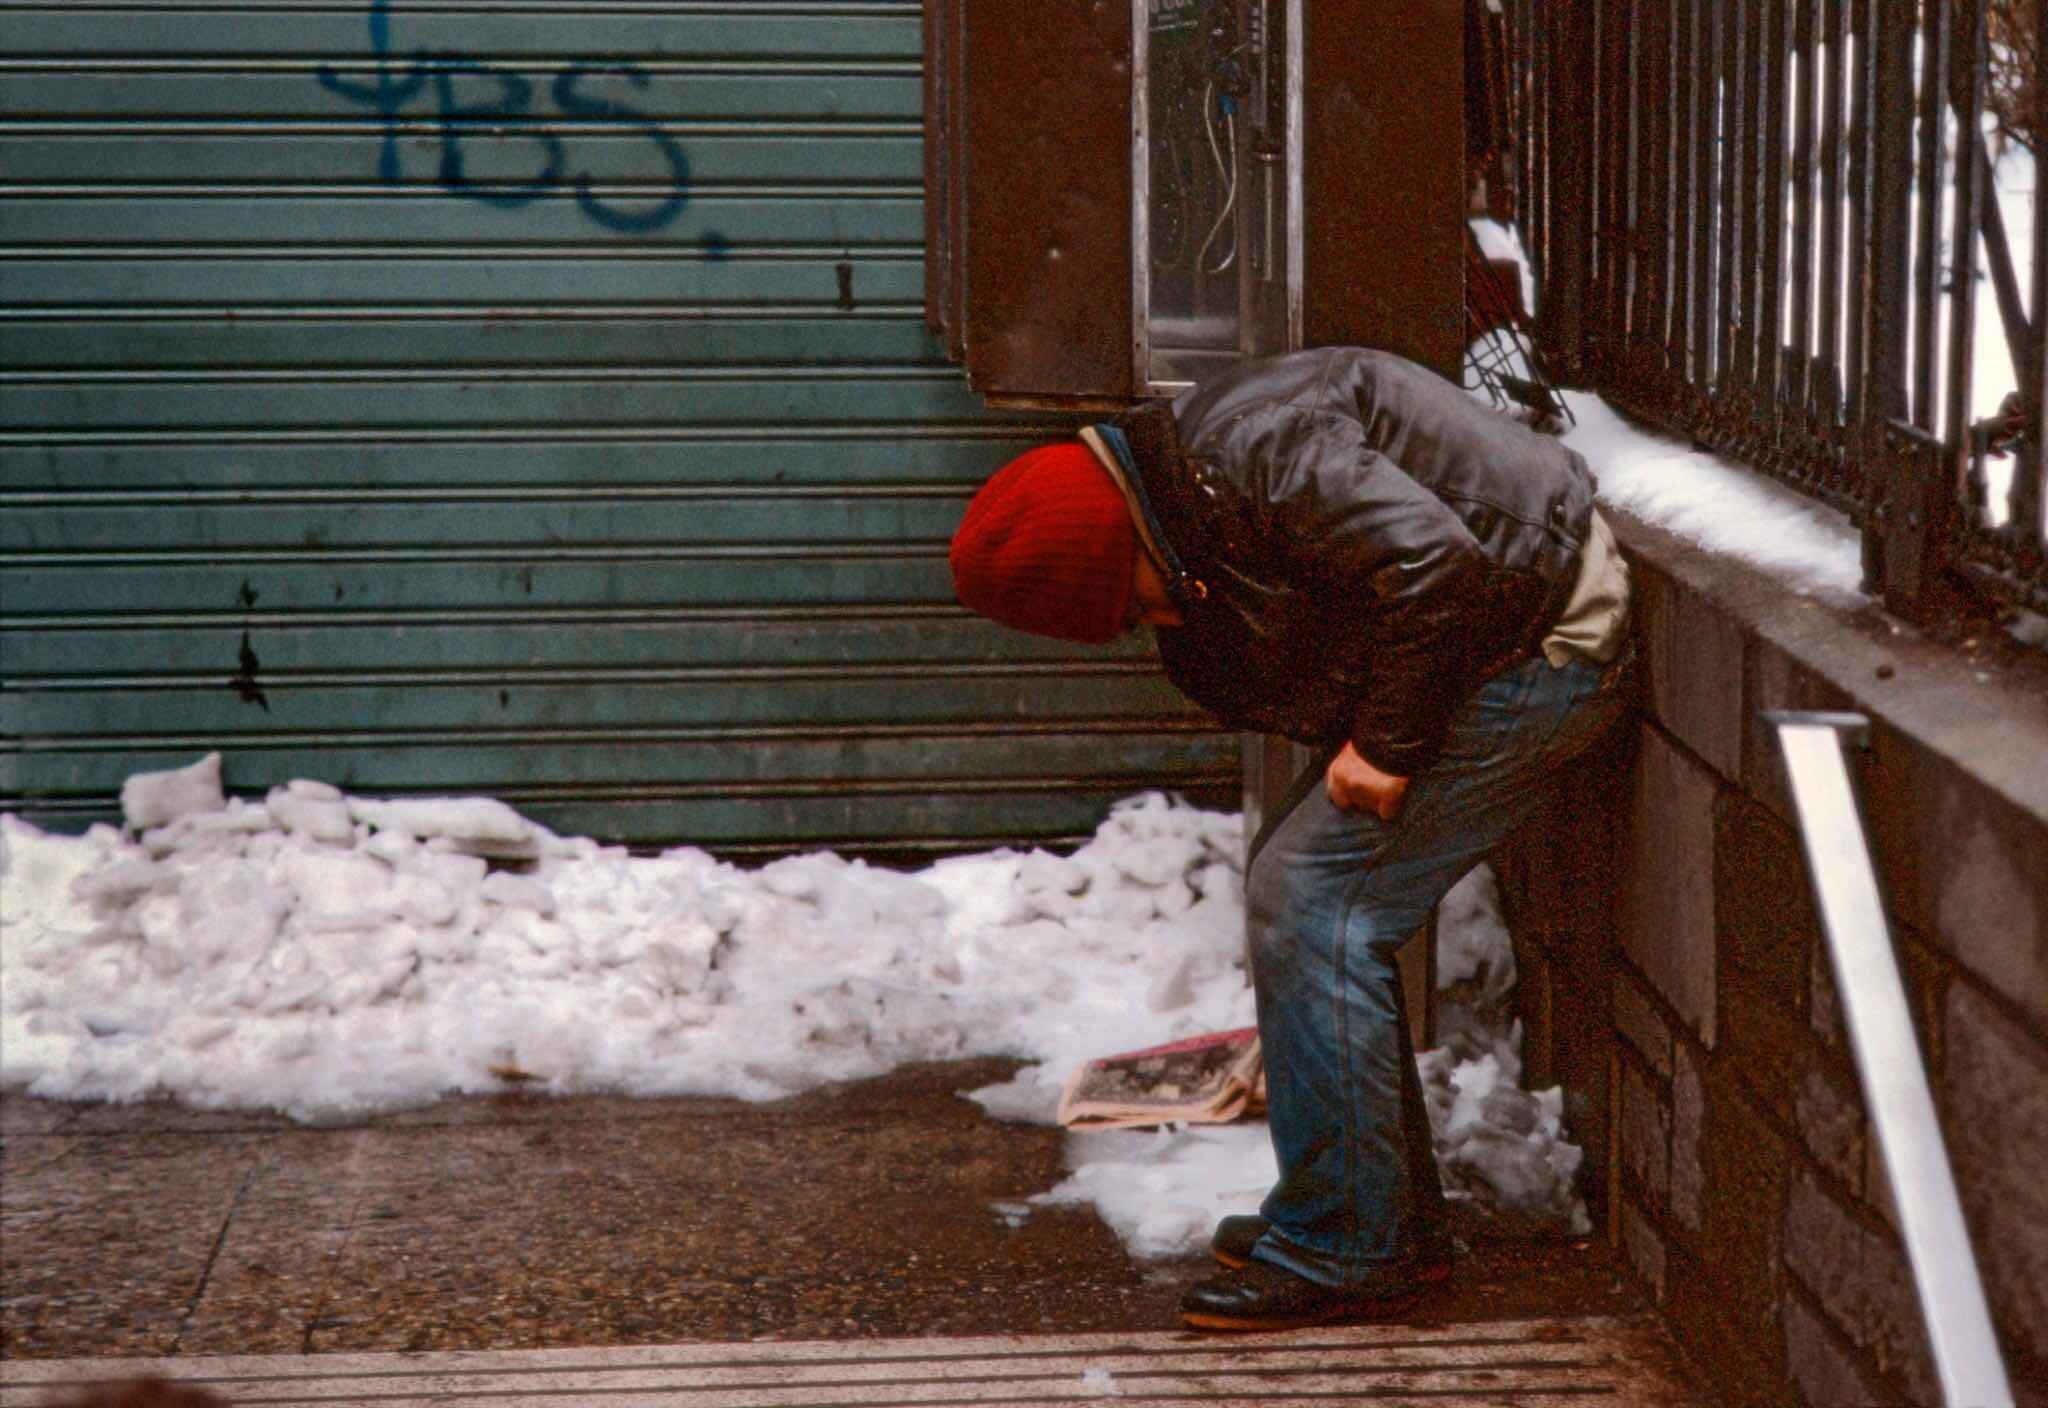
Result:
[
  {"x": 1709, "y": 501},
  {"x": 329, "y": 955},
  {"x": 1719, "y": 505}
]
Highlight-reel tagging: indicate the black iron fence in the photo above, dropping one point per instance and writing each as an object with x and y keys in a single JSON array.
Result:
[{"x": 1767, "y": 224}]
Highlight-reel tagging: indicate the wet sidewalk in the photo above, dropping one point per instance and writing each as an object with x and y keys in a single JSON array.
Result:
[
  {"x": 522, "y": 1222},
  {"x": 1531, "y": 1364}
]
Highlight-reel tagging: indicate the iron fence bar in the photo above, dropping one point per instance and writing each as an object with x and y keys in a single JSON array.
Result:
[
  {"x": 1904, "y": 536},
  {"x": 1966, "y": 79},
  {"x": 1774, "y": 63},
  {"x": 1684, "y": 83},
  {"x": 1523, "y": 133},
  {"x": 1756, "y": 136},
  {"x": 1650, "y": 322},
  {"x": 1885, "y": 309},
  {"x": 1623, "y": 19},
  {"x": 1613, "y": 103},
  {"x": 1706, "y": 189},
  {"x": 1546, "y": 25},
  {"x": 1856, "y": 333},
  {"x": 1888, "y": 1058},
  {"x": 1664, "y": 325},
  {"x": 1544, "y": 142},
  {"x": 2030, "y": 472},
  {"x": 1600, "y": 154},
  {"x": 2024, "y": 506},
  {"x": 1521, "y": 129},
  {"x": 1798, "y": 370},
  {"x": 1731, "y": 253},
  {"x": 1569, "y": 209},
  {"x": 1543, "y": 112},
  {"x": 1543, "y": 123},
  {"x": 1544, "y": 153},
  {"x": 1929, "y": 178},
  {"x": 1582, "y": 109},
  {"x": 1826, "y": 399}
]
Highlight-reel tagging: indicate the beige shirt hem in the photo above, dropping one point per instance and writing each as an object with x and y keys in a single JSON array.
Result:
[{"x": 1595, "y": 619}]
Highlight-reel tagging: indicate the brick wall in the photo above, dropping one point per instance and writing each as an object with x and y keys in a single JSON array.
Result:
[{"x": 1677, "y": 986}]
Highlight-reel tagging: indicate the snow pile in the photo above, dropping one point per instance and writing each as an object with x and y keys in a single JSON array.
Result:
[
  {"x": 326, "y": 955},
  {"x": 1717, "y": 504},
  {"x": 1501, "y": 1149}
]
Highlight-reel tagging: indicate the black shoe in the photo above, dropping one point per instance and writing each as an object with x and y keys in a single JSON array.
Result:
[
  {"x": 1261, "y": 1296},
  {"x": 1235, "y": 1237}
]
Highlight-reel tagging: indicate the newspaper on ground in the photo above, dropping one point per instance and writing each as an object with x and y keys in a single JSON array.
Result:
[{"x": 1210, "y": 1079}]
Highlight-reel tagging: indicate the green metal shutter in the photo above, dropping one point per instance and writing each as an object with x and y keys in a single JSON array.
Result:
[{"x": 523, "y": 398}]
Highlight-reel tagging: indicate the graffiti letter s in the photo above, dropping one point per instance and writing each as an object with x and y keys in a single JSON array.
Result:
[
  {"x": 569, "y": 100},
  {"x": 509, "y": 112}
]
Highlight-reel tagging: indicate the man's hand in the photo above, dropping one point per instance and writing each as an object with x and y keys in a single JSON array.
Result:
[{"x": 1357, "y": 786}]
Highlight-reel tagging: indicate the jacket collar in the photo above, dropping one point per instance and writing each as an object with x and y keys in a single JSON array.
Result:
[{"x": 1112, "y": 447}]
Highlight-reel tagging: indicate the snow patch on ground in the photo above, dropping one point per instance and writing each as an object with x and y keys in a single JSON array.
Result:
[{"x": 329, "y": 955}]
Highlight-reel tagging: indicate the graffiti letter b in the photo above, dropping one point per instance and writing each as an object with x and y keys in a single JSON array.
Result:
[{"x": 508, "y": 113}]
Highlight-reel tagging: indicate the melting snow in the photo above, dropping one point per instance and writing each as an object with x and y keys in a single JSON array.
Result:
[{"x": 329, "y": 955}]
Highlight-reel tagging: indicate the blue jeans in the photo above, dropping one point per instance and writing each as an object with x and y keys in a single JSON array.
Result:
[{"x": 1330, "y": 897}]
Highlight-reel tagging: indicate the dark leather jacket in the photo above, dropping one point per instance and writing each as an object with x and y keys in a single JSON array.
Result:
[{"x": 1356, "y": 545}]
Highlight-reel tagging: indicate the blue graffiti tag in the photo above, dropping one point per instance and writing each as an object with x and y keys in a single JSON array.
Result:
[
  {"x": 507, "y": 113},
  {"x": 388, "y": 95},
  {"x": 571, "y": 101}
]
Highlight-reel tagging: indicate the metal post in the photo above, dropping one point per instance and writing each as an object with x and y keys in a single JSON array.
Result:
[
  {"x": 1797, "y": 385},
  {"x": 1735, "y": 100},
  {"x": 1774, "y": 75},
  {"x": 1888, "y": 1058},
  {"x": 1887, "y": 299},
  {"x": 1827, "y": 386}
]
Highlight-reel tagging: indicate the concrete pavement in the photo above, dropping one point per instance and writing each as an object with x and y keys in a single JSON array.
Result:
[{"x": 524, "y": 1222}]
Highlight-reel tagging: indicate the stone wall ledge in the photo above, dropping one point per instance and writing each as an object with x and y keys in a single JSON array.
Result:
[
  {"x": 1954, "y": 786},
  {"x": 1677, "y": 985}
]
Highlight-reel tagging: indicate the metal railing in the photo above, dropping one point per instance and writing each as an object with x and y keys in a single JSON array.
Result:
[
  {"x": 1764, "y": 223},
  {"x": 1951, "y": 1294}
]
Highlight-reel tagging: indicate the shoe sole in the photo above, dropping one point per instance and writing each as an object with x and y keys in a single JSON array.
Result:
[
  {"x": 1428, "y": 1275},
  {"x": 1374, "y": 1310},
  {"x": 1434, "y": 1274}
]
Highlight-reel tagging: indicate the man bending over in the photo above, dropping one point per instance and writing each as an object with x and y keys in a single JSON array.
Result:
[{"x": 1341, "y": 547}]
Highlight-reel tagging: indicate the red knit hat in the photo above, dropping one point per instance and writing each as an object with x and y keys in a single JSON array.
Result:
[{"x": 1047, "y": 546}]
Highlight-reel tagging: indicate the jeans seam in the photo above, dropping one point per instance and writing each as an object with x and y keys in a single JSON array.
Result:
[
  {"x": 1343, "y": 1026},
  {"x": 1298, "y": 792}
]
